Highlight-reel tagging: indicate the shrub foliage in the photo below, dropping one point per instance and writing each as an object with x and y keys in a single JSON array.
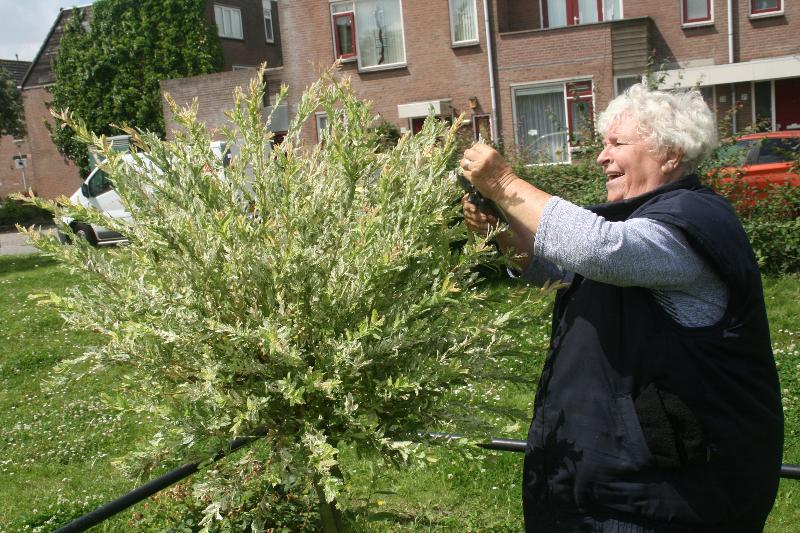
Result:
[{"x": 316, "y": 291}]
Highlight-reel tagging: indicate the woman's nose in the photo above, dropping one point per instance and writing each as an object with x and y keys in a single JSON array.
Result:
[{"x": 602, "y": 157}]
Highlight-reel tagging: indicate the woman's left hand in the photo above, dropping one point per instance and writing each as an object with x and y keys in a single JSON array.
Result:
[{"x": 486, "y": 169}]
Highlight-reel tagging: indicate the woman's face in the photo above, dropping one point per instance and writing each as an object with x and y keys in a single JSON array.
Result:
[{"x": 632, "y": 167}]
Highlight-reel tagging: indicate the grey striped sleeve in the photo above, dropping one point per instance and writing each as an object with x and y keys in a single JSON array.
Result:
[{"x": 637, "y": 252}]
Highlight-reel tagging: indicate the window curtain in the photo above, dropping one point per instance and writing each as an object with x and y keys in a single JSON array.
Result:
[
  {"x": 587, "y": 11},
  {"x": 556, "y": 13},
  {"x": 613, "y": 10},
  {"x": 542, "y": 124},
  {"x": 380, "y": 32},
  {"x": 463, "y": 20},
  {"x": 696, "y": 9}
]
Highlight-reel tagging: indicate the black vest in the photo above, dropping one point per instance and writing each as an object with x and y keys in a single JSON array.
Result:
[{"x": 640, "y": 419}]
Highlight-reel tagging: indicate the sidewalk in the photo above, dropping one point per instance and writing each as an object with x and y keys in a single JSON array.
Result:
[{"x": 14, "y": 243}]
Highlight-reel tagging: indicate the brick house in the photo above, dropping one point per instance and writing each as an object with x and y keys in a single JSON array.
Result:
[
  {"x": 13, "y": 158},
  {"x": 556, "y": 59},
  {"x": 249, "y": 32},
  {"x": 553, "y": 62}
]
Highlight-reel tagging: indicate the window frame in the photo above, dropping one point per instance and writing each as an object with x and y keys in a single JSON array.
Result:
[
  {"x": 469, "y": 42},
  {"x": 222, "y": 8},
  {"x": 356, "y": 57},
  {"x": 337, "y": 48},
  {"x": 269, "y": 34},
  {"x": 761, "y": 13},
  {"x": 321, "y": 121},
  {"x": 587, "y": 95},
  {"x": 689, "y": 23},
  {"x": 573, "y": 11}
]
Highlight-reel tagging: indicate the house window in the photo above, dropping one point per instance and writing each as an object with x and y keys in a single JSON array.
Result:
[
  {"x": 322, "y": 125},
  {"x": 269, "y": 31},
  {"x": 558, "y": 13},
  {"x": 463, "y": 22},
  {"x": 344, "y": 30},
  {"x": 371, "y": 30},
  {"x": 696, "y": 11},
  {"x": 623, "y": 83},
  {"x": 229, "y": 22},
  {"x": 549, "y": 116},
  {"x": 760, "y": 7}
]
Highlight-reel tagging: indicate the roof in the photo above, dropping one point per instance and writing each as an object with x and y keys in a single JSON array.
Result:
[
  {"x": 41, "y": 70},
  {"x": 15, "y": 69}
]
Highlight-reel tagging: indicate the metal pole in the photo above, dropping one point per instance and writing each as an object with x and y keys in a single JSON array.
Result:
[{"x": 151, "y": 487}]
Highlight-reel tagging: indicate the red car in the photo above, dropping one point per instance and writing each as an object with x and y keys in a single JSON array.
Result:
[{"x": 762, "y": 159}]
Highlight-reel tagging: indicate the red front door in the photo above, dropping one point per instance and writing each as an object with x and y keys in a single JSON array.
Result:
[{"x": 787, "y": 104}]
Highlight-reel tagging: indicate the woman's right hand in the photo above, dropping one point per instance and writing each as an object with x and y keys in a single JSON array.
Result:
[{"x": 477, "y": 222}]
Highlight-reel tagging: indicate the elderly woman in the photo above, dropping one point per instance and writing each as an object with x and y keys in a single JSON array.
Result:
[{"x": 658, "y": 407}]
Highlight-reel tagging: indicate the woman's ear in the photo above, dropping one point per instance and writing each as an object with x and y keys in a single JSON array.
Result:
[{"x": 672, "y": 162}]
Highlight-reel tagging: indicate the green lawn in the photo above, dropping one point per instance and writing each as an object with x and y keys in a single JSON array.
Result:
[{"x": 59, "y": 441}]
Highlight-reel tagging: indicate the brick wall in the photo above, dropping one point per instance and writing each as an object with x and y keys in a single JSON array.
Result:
[
  {"x": 10, "y": 176},
  {"x": 434, "y": 69},
  {"x": 754, "y": 38},
  {"x": 49, "y": 173},
  {"x": 554, "y": 54},
  {"x": 214, "y": 93},
  {"x": 253, "y": 49}
]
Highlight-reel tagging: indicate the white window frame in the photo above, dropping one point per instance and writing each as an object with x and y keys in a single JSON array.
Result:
[
  {"x": 699, "y": 23},
  {"x": 221, "y": 28},
  {"x": 468, "y": 42},
  {"x": 545, "y": 83},
  {"x": 765, "y": 14},
  {"x": 352, "y": 12},
  {"x": 357, "y": 58},
  {"x": 269, "y": 29},
  {"x": 322, "y": 124}
]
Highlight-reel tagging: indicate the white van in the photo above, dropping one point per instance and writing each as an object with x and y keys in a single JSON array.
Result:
[{"x": 97, "y": 192}]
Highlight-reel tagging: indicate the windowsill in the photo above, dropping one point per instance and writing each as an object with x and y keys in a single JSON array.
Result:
[
  {"x": 465, "y": 44},
  {"x": 700, "y": 24},
  {"x": 347, "y": 59},
  {"x": 574, "y": 27},
  {"x": 393, "y": 66},
  {"x": 769, "y": 14},
  {"x": 270, "y": 42},
  {"x": 231, "y": 38}
]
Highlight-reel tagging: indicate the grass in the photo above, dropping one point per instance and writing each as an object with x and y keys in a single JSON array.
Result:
[{"x": 59, "y": 442}]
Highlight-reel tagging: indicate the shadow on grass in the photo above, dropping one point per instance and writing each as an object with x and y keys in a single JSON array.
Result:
[{"x": 19, "y": 263}]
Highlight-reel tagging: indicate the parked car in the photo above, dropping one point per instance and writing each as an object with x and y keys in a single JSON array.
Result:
[
  {"x": 97, "y": 192},
  {"x": 761, "y": 160}
]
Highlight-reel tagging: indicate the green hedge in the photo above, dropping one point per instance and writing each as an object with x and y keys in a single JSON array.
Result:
[{"x": 14, "y": 212}]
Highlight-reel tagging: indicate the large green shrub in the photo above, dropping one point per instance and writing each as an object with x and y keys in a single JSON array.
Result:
[{"x": 313, "y": 290}]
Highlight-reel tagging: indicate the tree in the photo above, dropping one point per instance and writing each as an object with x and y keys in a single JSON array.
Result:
[
  {"x": 12, "y": 117},
  {"x": 110, "y": 74},
  {"x": 321, "y": 292}
]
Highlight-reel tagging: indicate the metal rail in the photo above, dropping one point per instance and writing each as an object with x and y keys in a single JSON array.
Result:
[{"x": 788, "y": 471}]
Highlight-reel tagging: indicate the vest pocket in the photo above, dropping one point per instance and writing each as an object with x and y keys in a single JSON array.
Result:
[
  {"x": 670, "y": 428},
  {"x": 633, "y": 440}
]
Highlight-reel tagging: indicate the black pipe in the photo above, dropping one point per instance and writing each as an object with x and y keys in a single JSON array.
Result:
[{"x": 152, "y": 487}]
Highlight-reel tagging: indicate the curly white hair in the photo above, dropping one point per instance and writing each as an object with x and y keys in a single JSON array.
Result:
[{"x": 671, "y": 122}]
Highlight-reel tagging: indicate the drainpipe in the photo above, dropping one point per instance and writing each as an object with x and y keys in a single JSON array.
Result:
[
  {"x": 489, "y": 55},
  {"x": 730, "y": 31},
  {"x": 730, "y": 60}
]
